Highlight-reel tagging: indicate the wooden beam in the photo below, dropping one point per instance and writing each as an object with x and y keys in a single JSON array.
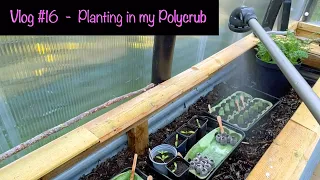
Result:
[
  {"x": 308, "y": 30},
  {"x": 138, "y": 138},
  {"x": 313, "y": 61},
  {"x": 128, "y": 115},
  {"x": 287, "y": 156},
  {"x": 43, "y": 160}
]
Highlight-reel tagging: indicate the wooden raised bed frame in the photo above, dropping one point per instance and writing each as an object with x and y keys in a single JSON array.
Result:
[{"x": 289, "y": 152}]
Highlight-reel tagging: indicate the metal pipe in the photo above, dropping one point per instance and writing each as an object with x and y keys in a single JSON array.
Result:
[
  {"x": 300, "y": 85},
  {"x": 162, "y": 58}
]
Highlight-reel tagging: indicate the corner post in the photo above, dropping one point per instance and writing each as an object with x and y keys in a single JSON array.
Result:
[{"x": 163, "y": 48}]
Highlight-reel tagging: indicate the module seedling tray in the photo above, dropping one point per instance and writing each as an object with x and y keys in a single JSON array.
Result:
[
  {"x": 212, "y": 129},
  {"x": 125, "y": 174},
  {"x": 250, "y": 114}
]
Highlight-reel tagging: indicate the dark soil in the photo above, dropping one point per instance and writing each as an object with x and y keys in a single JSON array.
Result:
[
  {"x": 166, "y": 159},
  {"x": 181, "y": 167},
  {"x": 172, "y": 140},
  {"x": 238, "y": 165}
]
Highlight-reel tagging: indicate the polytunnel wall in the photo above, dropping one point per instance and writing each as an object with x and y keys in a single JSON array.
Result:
[{"x": 46, "y": 80}]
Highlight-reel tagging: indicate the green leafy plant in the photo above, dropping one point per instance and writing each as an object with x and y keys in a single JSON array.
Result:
[
  {"x": 162, "y": 156},
  {"x": 177, "y": 140},
  {"x": 175, "y": 167},
  {"x": 198, "y": 123},
  {"x": 294, "y": 49},
  {"x": 187, "y": 132}
]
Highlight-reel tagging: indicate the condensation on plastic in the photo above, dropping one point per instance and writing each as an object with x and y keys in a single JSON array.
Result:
[{"x": 46, "y": 80}]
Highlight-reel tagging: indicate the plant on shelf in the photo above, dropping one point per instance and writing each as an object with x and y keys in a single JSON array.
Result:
[
  {"x": 294, "y": 49},
  {"x": 268, "y": 72}
]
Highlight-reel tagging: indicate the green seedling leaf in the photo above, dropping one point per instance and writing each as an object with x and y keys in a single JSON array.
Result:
[
  {"x": 177, "y": 140},
  {"x": 198, "y": 123},
  {"x": 175, "y": 167},
  {"x": 221, "y": 112}
]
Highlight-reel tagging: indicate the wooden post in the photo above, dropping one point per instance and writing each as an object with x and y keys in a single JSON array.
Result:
[{"x": 138, "y": 138}]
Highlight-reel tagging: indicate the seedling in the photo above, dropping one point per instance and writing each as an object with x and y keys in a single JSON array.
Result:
[
  {"x": 177, "y": 140},
  {"x": 175, "y": 167},
  {"x": 163, "y": 157},
  {"x": 198, "y": 123},
  {"x": 187, "y": 132}
]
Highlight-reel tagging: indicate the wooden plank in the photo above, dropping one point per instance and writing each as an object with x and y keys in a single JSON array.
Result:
[
  {"x": 43, "y": 160},
  {"x": 138, "y": 138},
  {"x": 304, "y": 117},
  {"x": 282, "y": 159},
  {"x": 313, "y": 28},
  {"x": 313, "y": 61},
  {"x": 126, "y": 116}
]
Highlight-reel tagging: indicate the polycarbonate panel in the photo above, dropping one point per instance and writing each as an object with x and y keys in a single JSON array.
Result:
[
  {"x": 315, "y": 16},
  {"x": 46, "y": 80},
  {"x": 190, "y": 50}
]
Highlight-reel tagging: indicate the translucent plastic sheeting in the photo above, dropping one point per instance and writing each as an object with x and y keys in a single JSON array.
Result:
[
  {"x": 45, "y": 81},
  {"x": 190, "y": 50},
  {"x": 315, "y": 16}
]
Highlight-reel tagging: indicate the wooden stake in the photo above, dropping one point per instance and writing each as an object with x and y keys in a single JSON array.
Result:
[
  {"x": 134, "y": 164},
  {"x": 242, "y": 99},
  {"x": 150, "y": 178},
  {"x": 237, "y": 103},
  {"x": 220, "y": 124}
]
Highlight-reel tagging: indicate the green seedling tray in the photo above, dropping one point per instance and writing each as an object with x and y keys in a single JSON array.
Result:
[
  {"x": 208, "y": 146},
  {"x": 126, "y": 173},
  {"x": 215, "y": 109},
  {"x": 254, "y": 120}
]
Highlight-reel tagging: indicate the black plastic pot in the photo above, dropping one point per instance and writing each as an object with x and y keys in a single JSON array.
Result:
[
  {"x": 201, "y": 130},
  {"x": 182, "y": 147},
  {"x": 138, "y": 171},
  {"x": 192, "y": 139},
  {"x": 184, "y": 174},
  {"x": 271, "y": 80}
]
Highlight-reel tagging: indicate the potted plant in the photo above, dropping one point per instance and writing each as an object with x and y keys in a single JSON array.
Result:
[
  {"x": 178, "y": 141},
  {"x": 161, "y": 155},
  {"x": 190, "y": 132},
  {"x": 271, "y": 79},
  {"x": 178, "y": 168},
  {"x": 201, "y": 123}
]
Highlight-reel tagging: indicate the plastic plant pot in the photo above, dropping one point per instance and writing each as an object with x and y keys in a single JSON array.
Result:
[
  {"x": 178, "y": 168},
  {"x": 126, "y": 173},
  {"x": 189, "y": 132},
  {"x": 201, "y": 123},
  {"x": 180, "y": 145},
  {"x": 157, "y": 151}
]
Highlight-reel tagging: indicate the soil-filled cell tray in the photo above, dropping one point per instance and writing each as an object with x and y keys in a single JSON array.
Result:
[
  {"x": 251, "y": 113},
  {"x": 126, "y": 173},
  {"x": 228, "y": 108},
  {"x": 209, "y": 147},
  {"x": 212, "y": 127}
]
